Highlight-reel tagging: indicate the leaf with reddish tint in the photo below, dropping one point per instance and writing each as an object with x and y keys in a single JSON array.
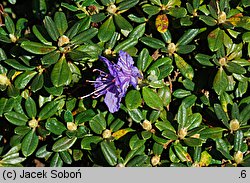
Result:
[{"x": 161, "y": 23}]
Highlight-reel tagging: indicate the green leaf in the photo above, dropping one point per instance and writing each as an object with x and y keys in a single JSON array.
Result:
[
  {"x": 23, "y": 79},
  {"x": 164, "y": 125},
  {"x": 109, "y": 153},
  {"x": 185, "y": 69},
  {"x": 151, "y": 10},
  {"x": 11, "y": 160},
  {"x": 185, "y": 49},
  {"x": 152, "y": 42},
  {"x": 137, "y": 161},
  {"x": 138, "y": 31},
  {"x": 136, "y": 115},
  {"x": 17, "y": 65},
  {"x": 152, "y": 99},
  {"x": 180, "y": 93},
  {"x": 4, "y": 38},
  {"x": 165, "y": 94},
  {"x": 61, "y": 22},
  {"x": 22, "y": 130},
  {"x": 135, "y": 142},
  {"x": 30, "y": 106},
  {"x": 116, "y": 125},
  {"x": 88, "y": 141},
  {"x": 235, "y": 68},
  {"x": 133, "y": 99},
  {"x": 106, "y": 30},
  {"x": 69, "y": 7},
  {"x": 208, "y": 20},
  {"x": 238, "y": 140},
  {"x": 61, "y": 74},
  {"x": 98, "y": 123},
  {"x": 178, "y": 12},
  {"x": 182, "y": 117},
  {"x": 131, "y": 154},
  {"x": 10, "y": 26},
  {"x": 39, "y": 33},
  {"x": 126, "y": 44},
  {"x": 136, "y": 19},
  {"x": 48, "y": 110},
  {"x": 77, "y": 154},
  {"x": 84, "y": 116},
  {"x": 165, "y": 61},
  {"x": 215, "y": 39},
  {"x": 63, "y": 144},
  {"x": 56, "y": 161},
  {"x": 193, "y": 142},
  {"x": 37, "y": 48},
  {"x": 30, "y": 143},
  {"x": 221, "y": 114},
  {"x": 84, "y": 36},
  {"x": 213, "y": 133},
  {"x": 169, "y": 134},
  {"x": 66, "y": 157},
  {"x": 6, "y": 105},
  {"x": 193, "y": 121},
  {"x": 55, "y": 126},
  {"x": 244, "y": 115},
  {"x": 37, "y": 82},
  {"x": 3, "y": 55},
  {"x": 51, "y": 28},
  {"x": 221, "y": 146},
  {"x": 50, "y": 58},
  {"x": 203, "y": 59},
  {"x": 144, "y": 60},
  {"x": 16, "y": 118},
  {"x": 182, "y": 153},
  {"x": 125, "y": 5},
  {"x": 220, "y": 82}
]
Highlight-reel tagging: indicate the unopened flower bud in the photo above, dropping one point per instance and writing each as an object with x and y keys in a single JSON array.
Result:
[
  {"x": 106, "y": 134},
  {"x": 171, "y": 48},
  {"x": 234, "y": 125},
  {"x": 63, "y": 40},
  {"x": 146, "y": 125},
  {"x": 71, "y": 126},
  {"x": 155, "y": 160},
  {"x": 120, "y": 165},
  {"x": 223, "y": 61},
  {"x": 4, "y": 80},
  {"x": 33, "y": 123},
  {"x": 182, "y": 133},
  {"x": 112, "y": 9},
  {"x": 12, "y": 38},
  {"x": 222, "y": 17},
  {"x": 238, "y": 157}
]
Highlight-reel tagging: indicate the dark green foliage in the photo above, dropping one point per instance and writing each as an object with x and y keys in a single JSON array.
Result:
[{"x": 191, "y": 107}]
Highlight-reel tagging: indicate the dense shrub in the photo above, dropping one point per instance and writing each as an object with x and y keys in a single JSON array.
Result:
[{"x": 124, "y": 83}]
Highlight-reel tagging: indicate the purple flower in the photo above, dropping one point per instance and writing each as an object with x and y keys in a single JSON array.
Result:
[{"x": 114, "y": 84}]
